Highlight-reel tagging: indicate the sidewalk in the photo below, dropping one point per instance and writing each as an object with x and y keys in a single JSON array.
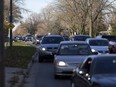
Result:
[{"x": 16, "y": 77}]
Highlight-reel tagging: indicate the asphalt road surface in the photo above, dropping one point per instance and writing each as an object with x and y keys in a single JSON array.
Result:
[{"x": 42, "y": 76}]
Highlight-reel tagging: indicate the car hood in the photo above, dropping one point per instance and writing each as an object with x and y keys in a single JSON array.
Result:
[
  {"x": 49, "y": 45},
  {"x": 100, "y": 48},
  {"x": 71, "y": 59},
  {"x": 107, "y": 80}
]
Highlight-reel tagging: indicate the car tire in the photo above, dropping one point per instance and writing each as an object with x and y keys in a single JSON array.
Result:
[
  {"x": 56, "y": 76},
  {"x": 40, "y": 60}
]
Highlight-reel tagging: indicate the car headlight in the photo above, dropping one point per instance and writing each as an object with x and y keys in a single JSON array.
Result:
[
  {"x": 93, "y": 50},
  {"x": 43, "y": 49},
  {"x": 61, "y": 63},
  {"x": 38, "y": 40}
]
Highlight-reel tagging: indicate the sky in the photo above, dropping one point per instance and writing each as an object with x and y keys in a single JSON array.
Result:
[{"x": 35, "y": 5}]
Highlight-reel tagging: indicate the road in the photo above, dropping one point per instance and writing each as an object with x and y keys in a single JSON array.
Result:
[{"x": 42, "y": 76}]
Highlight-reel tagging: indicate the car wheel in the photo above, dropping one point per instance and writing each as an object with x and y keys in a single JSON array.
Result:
[
  {"x": 40, "y": 60},
  {"x": 56, "y": 76}
]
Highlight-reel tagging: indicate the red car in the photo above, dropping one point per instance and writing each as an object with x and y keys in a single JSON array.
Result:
[{"x": 112, "y": 47}]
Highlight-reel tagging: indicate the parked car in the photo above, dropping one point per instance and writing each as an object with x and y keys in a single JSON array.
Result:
[
  {"x": 48, "y": 47},
  {"x": 112, "y": 47},
  {"x": 69, "y": 55},
  {"x": 109, "y": 37},
  {"x": 96, "y": 71},
  {"x": 98, "y": 44},
  {"x": 80, "y": 37}
]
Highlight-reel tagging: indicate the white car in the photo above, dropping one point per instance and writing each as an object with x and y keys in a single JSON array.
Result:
[{"x": 98, "y": 44}]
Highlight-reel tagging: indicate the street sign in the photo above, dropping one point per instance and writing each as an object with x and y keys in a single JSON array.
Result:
[{"x": 11, "y": 26}]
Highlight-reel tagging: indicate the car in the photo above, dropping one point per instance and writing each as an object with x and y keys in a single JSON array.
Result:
[
  {"x": 80, "y": 37},
  {"x": 98, "y": 44},
  {"x": 112, "y": 47},
  {"x": 66, "y": 37},
  {"x": 28, "y": 38},
  {"x": 48, "y": 47},
  {"x": 109, "y": 37},
  {"x": 95, "y": 71},
  {"x": 69, "y": 55},
  {"x": 37, "y": 39}
]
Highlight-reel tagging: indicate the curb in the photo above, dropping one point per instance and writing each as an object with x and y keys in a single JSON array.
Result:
[{"x": 19, "y": 78}]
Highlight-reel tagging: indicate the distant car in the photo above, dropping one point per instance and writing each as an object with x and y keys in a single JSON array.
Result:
[
  {"x": 96, "y": 71},
  {"x": 70, "y": 54},
  {"x": 37, "y": 39},
  {"x": 48, "y": 47},
  {"x": 28, "y": 38},
  {"x": 80, "y": 37},
  {"x": 112, "y": 47},
  {"x": 66, "y": 38},
  {"x": 109, "y": 37},
  {"x": 98, "y": 44}
]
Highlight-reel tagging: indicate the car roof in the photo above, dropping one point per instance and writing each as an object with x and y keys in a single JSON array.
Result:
[
  {"x": 105, "y": 35},
  {"x": 96, "y": 39},
  {"x": 73, "y": 42},
  {"x": 81, "y": 35},
  {"x": 103, "y": 56},
  {"x": 53, "y": 35}
]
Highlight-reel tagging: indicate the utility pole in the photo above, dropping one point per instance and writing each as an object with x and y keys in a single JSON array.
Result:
[
  {"x": 11, "y": 21},
  {"x": 2, "y": 72}
]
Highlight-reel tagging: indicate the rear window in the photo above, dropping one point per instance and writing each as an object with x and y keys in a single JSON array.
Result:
[
  {"x": 110, "y": 38},
  {"x": 98, "y": 42}
]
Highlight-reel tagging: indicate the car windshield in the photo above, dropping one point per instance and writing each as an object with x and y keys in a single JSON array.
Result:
[
  {"x": 39, "y": 37},
  {"x": 74, "y": 49},
  {"x": 98, "y": 42},
  {"x": 52, "y": 40},
  {"x": 81, "y": 38},
  {"x": 110, "y": 38},
  {"x": 105, "y": 66}
]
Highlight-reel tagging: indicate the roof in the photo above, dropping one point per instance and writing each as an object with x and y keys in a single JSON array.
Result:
[
  {"x": 81, "y": 35},
  {"x": 54, "y": 35},
  {"x": 73, "y": 42},
  {"x": 96, "y": 39},
  {"x": 102, "y": 56}
]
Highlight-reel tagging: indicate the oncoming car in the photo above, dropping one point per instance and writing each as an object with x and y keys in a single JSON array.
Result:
[
  {"x": 70, "y": 54},
  {"x": 98, "y": 44},
  {"x": 48, "y": 47},
  {"x": 96, "y": 71}
]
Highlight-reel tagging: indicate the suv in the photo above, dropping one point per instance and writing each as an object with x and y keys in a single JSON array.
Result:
[
  {"x": 80, "y": 37},
  {"x": 109, "y": 37},
  {"x": 48, "y": 47},
  {"x": 112, "y": 42}
]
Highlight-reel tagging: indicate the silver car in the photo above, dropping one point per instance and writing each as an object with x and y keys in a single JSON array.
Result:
[
  {"x": 69, "y": 56},
  {"x": 98, "y": 44}
]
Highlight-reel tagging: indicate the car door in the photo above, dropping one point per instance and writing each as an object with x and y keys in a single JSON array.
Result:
[{"x": 83, "y": 74}]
